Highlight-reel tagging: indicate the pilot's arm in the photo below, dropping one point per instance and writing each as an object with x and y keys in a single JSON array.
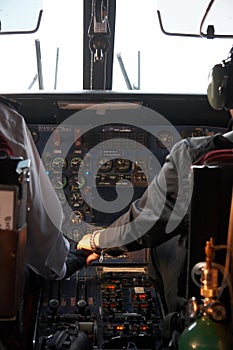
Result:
[
  {"x": 48, "y": 252},
  {"x": 161, "y": 213}
]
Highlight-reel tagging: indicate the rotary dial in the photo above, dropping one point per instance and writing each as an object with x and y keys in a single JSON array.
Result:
[{"x": 217, "y": 311}]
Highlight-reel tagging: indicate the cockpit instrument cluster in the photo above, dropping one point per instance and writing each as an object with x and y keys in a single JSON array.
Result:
[{"x": 99, "y": 162}]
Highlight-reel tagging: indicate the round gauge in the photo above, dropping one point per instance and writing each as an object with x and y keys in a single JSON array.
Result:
[
  {"x": 197, "y": 132},
  {"x": 61, "y": 197},
  {"x": 217, "y": 311},
  {"x": 122, "y": 164},
  {"x": 74, "y": 163},
  {"x": 76, "y": 216},
  {"x": 76, "y": 199},
  {"x": 76, "y": 182},
  {"x": 76, "y": 235},
  {"x": 58, "y": 163},
  {"x": 59, "y": 181},
  {"x": 105, "y": 164},
  {"x": 35, "y": 135},
  {"x": 192, "y": 307},
  {"x": 165, "y": 139}
]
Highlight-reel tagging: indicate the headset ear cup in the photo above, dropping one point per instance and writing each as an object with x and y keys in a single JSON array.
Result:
[
  {"x": 229, "y": 87},
  {"x": 216, "y": 91}
]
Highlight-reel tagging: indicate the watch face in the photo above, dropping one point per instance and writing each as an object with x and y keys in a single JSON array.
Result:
[
  {"x": 192, "y": 307},
  {"x": 217, "y": 311}
]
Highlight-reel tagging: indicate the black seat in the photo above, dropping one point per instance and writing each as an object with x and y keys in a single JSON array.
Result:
[{"x": 209, "y": 215}]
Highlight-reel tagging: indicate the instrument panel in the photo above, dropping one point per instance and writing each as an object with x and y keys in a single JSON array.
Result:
[{"x": 90, "y": 170}]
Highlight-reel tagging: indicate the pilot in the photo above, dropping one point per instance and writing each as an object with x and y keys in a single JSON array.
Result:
[
  {"x": 48, "y": 253},
  {"x": 164, "y": 230}
]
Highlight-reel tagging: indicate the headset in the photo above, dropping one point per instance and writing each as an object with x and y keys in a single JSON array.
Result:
[{"x": 220, "y": 86}]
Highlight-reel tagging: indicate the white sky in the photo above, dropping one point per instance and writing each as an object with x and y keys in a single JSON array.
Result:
[{"x": 168, "y": 64}]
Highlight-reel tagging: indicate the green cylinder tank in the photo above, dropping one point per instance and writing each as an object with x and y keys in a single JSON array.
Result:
[{"x": 206, "y": 334}]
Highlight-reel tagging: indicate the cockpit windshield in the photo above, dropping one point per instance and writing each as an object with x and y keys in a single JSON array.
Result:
[{"x": 158, "y": 46}]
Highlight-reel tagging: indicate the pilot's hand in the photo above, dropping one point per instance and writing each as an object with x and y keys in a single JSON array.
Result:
[
  {"x": 76, "y": 259},
  {"x": 85, "y": 242},
  {"x": 91, "y": 257}
]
